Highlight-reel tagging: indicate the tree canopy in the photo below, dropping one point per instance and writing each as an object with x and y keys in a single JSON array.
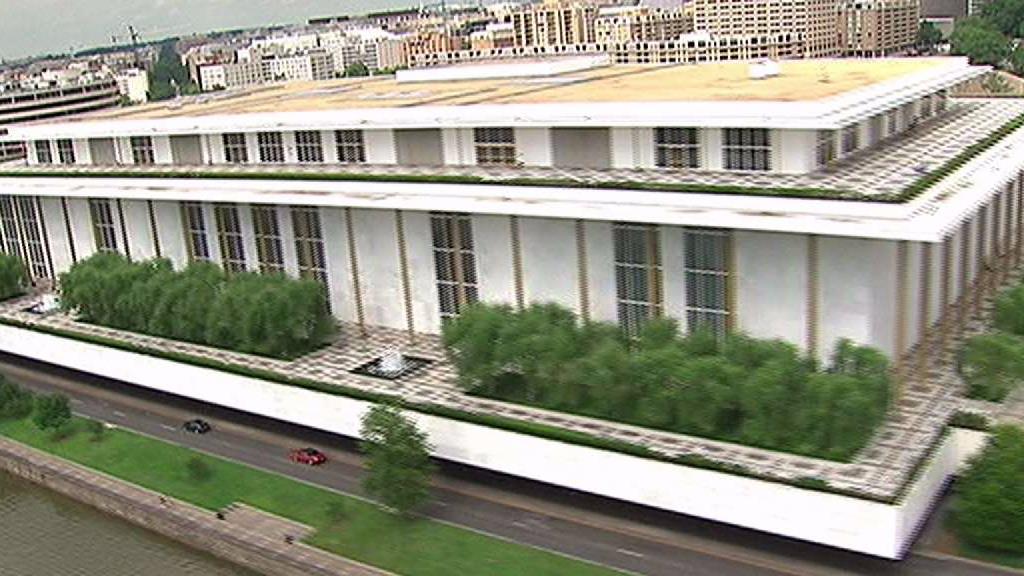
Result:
[
  {"x": 357, "y": 69},
  {"x": 12, "y": 276},
  {"x": 993, "y": 364},
  {"x": 928, "y": 36},
  {"x": 990, "y": 510},
  {"x": 980, "y": 41},
  {"x": 757, "y": 392},
  {"x": 271, "y": 315},
  {"x": 52, "y": 412},
  {"x": 397, "y": 459},
  {"x": 169, "y": 75}
]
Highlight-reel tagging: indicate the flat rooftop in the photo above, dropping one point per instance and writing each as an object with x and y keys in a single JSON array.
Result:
[{"x": 799, "y": 80}]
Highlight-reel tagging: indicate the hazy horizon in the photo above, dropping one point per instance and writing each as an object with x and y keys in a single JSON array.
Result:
[{"x": 37, "y": 27}]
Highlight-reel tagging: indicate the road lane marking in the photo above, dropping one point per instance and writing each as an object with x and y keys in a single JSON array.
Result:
[
  {"x": 629, "y": 552},
  {"x": 119, "y": 414},
  {"x": 166, "y": 427}
]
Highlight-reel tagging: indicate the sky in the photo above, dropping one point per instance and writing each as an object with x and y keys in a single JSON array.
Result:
[{"x": 34, "y": 27}]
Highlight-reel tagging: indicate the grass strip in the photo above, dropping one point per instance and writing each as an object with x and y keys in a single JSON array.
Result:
[{"x": 344, "y": 525}]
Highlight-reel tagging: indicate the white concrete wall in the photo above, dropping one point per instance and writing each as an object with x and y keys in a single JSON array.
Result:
[
  {"x": 170, "y": 232},
  {"x": 161, "y": 150},
  {"x": 674, "y": 274},
  {"x": 534, "y": 146},
  {"x": 287, "y": 230},
  {"x": 492, "y": 240},
  {"x": 339, "y": 269},
  {"x": 771, "y": 285},
  {"x": 711, "y": 138},
  {"x": 380, "y": 146},
  {"x": 426, "y": 310},
  {"x": 81, "y": 227},
  {"x": 601, "y": 271},
  {"x": 379, "y": 273},
  {"x": 830, "y": 519},
  {"x": 457, "y": 147},
  {"x": 550, "y": 271},
  {"x": 795, "y": 151},
  {"x": 140, "y": 233},
  {"x": 252, "y": 260},
  {"x": 57, "y": 235},
  {"x": 858, "y": 292},
  {"x": 82, "y": 153}
]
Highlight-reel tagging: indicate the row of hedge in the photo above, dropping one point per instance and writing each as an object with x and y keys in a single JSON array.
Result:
[
  {"x": 267, "y": 314},
  {"x": 12, "y": 276},
  {"x": 740, "y": 389},
  {"x": 989, "y": 512},
  {"x": 993, "y": 364}
]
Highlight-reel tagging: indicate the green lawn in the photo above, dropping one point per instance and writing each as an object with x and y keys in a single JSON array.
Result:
[{"x": 362, "y": 531}]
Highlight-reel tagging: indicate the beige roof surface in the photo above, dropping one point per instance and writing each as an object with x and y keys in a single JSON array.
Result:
[{"x": 799, "y": 80}]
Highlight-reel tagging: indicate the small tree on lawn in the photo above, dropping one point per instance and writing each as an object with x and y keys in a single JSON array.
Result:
[
  {"x": 15, "y": 402},
  {"x": 198, "y": 470},
  {"x": 990, "y": 513},
  {"x": 53, "y": 412},
  {"x": 398, "y": 459}
]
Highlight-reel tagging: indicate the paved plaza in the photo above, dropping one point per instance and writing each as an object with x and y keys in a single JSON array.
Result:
[
  {"x": 881, "y": 170},
  {"x": 928, "y": 400}
]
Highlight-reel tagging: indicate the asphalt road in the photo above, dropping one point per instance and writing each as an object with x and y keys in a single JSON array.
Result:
[{"x": 623, "y": 536}]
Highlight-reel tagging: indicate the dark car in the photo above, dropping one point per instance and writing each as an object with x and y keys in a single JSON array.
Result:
[
  {"x": 196, "y": 426},
  {"x": 309, "y": 456}
]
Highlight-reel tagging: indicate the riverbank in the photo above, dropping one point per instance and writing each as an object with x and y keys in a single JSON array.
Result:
[{"x": 338, "y": 524}]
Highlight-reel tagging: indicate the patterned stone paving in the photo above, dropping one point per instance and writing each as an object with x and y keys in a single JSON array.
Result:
[
  {"x": 884, "y": 169},
  {"x": 928, "y": 400}
]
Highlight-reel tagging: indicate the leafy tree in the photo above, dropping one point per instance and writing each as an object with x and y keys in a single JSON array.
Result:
[
  {"x": 15, "y": 401},
  {"x": 12, "y": 276},
  {"x": 980, "y": 42},
  {"x": 357, "y": 69},
  {"x": 993, "y": 364},
  {"x": 169, "y": 76},
  {"x": 52, "y": 412},
  {"x": 1007, "y": 16},
  {"x": 928, "y": 36},
  {"x": 990, "y": 512},
  {"x": 1009, "y": 311},
  {"x": 397, "y": 459}
]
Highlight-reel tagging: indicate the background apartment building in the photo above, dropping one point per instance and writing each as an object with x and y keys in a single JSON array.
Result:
[
  {"x": 618, "y": 24},
  {"x": 554, "y": 23},
  {"x": 878, "y": 27},
  {"x": 813, "y": 20}
]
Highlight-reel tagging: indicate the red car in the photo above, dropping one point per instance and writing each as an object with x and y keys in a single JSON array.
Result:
[{"x": 308, "y": 456}]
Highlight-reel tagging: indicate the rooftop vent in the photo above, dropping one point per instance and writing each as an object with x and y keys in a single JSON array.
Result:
[{"x": 762, "y": 69}]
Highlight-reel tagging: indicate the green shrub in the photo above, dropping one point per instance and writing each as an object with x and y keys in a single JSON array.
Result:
[
  {"x": 757, "y": 392},
  {"x": 993, "y": 365},
  {"x": 970, "y": 421},
  {"x": 272, "y": 315},
  {"x": 12, "y": 276},
  {"x": 52, "y": 412},
  {"x": 15, "y": 401},
  {"x": 1008, "y": 315},
  {"x": 990, "y": 512}
]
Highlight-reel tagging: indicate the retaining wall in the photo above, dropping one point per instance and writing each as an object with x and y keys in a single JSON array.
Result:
[{"x": 845, "y": 522}]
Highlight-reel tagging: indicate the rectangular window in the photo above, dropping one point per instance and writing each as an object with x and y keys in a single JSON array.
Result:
[
  {"x": 44, "y": 155},
  {"x": 495, "y": 146},
  {"x": 9, "y": 223},
  {"x": 638, "y": 275},
  {"x": 309, "y": 146},
  {"x": 677, "y": 147},
  {"x": 825, "y": 148},
  {"x": 38, "y": 265},
  {"x": 142, "y": 150},
  {"x": 309, "y": 245},
  {"x": 229, "y": 236},
  {"x": 104, "y": 228},
  {"x": 268, "y": 239},
  {"x": 706, "y": 267},
  {"x": 351, "y": 149},
  {"x": 454, "y": 262},
  {"x": 194, "y": 222},
  {"x": 271, "y": 146},
  {"x": 66, "y": 151},
  {"x": 235, "y": 150},
  {"x": 747, "y": 149},
  {"x": 851, "y": 139}
]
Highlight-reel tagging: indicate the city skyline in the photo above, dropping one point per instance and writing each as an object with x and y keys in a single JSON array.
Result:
[{"x": 79, "y": 24}]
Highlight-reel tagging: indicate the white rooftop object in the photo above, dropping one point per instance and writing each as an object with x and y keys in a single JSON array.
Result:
[{"x": 762, "y": 69}]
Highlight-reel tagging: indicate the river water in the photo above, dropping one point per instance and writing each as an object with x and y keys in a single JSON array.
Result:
[{"x": 46, "y": 534}]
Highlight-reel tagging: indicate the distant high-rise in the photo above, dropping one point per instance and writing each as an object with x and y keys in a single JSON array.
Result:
[{"x": 814, "y": 20}]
